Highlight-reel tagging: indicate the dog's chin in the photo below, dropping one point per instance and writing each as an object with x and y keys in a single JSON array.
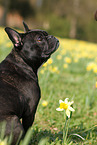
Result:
[
  {"x": 51, "y": 51},
  {"x": 48, "y": 54},
  {"x": 45, "y": 56}
]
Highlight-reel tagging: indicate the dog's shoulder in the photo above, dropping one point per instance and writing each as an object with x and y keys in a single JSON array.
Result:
[{"x": 14, "y": 66}]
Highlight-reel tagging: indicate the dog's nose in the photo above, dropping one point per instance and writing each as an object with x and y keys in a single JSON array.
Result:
[{"x": 57, "y": 40}]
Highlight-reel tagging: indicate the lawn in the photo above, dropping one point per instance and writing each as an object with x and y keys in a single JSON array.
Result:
[{"x": 71, "y": 73}]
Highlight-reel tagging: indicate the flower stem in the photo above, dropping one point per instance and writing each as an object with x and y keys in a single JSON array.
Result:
[{"x": 65, "y": 129}]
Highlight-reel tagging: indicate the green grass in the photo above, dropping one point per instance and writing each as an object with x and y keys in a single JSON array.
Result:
[{"x": 73, "y": 82}]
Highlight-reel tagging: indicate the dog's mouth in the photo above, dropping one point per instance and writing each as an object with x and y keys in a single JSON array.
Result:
[
  {"x": 53, "y": 46},
  {"x": 57, "y": 45}
]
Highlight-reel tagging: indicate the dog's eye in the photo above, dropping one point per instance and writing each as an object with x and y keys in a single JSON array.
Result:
[{"x": 39, "y": 39}]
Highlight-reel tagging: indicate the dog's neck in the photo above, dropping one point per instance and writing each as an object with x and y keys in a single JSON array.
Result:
[
  {"x": 35, "y": 64},
  {"x": 20, "y": 62}
]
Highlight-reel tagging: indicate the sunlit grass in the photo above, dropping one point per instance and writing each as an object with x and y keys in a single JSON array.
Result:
[{"x": 70, "y": 73}]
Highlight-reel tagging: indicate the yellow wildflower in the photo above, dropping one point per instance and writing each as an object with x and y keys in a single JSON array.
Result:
[
  {"x": 91, "y": 66},
  {"x": 42, "y": 71},
  {"x": 96, "y": 85},
  {"x": 53, "y": 69},
  {"x": 88, "y": 68},
  {"x": 95, "y": 69},
  {"x": 44, "y": 103},
  {"x": 67, "y": 59},
  {"x": 3, "y": 142},
  {"x": 50, "y": 61},
  {"x": 45, "y": 64},
  {"x": 65, "y": 65},
  {"x": 65, "y": 105}
]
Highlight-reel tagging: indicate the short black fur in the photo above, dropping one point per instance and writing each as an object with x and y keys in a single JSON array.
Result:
[{"x": 19, "y": 88}]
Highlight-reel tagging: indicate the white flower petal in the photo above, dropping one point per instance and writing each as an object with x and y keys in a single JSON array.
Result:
[
  {"x": 60, "y": 101},
  {"x": 71, "y": 109},
  {"x": 68, "y": 113},
  {"x": 66, "y": 100},
  {"x": 58, "y": 109},
  {"x": 70, "y": 103}
]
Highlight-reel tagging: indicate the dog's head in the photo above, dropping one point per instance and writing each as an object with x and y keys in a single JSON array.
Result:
[{"x": 34, "y": 46}]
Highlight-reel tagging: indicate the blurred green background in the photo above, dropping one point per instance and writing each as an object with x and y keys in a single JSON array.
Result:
[{"x": 63, "y": 18}]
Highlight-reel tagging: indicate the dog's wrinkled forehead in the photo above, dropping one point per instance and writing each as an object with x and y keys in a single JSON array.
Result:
[{"x": 36, "y": 32}]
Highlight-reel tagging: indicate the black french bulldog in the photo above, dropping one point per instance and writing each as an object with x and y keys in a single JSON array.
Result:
[{"x": 19, "y": 88}]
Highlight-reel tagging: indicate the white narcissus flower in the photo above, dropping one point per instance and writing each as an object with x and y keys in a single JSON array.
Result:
[{"x": 65, "y": 105}]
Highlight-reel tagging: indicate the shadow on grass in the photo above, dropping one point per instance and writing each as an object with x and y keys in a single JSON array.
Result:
[
  {"x": 38, "y": 135},
  {"x": 54, "y": 137}
]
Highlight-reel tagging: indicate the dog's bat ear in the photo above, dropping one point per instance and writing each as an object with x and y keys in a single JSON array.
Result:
[
  {"x": 26, "y": 29},
  {"x": 96, "y": 15},
  {"x": 14, "y": 36}
]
